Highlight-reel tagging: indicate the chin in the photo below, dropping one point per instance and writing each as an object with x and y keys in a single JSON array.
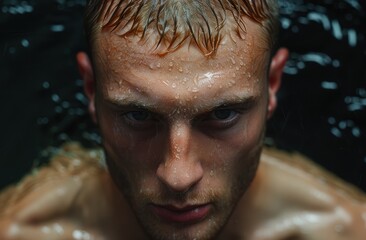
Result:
[{"x": 207, "y": 229}]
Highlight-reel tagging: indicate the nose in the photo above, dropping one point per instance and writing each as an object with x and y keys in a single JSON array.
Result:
[{"x": 181, "y": 169}]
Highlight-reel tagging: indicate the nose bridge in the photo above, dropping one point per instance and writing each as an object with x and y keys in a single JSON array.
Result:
[
  {"x": 180, "y": 168},
  {"x": 179, "y": 141}
]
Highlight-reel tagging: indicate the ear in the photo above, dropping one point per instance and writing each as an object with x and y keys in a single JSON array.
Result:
[
  {"x": 275, "y": 74},
  {"x": 86, "y": 72}
]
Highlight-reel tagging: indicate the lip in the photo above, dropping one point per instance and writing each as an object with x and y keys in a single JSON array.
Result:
[{"x": 184, "y": 215}]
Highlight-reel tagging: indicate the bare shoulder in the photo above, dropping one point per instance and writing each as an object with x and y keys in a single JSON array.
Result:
[
  {"x": 301, "y": 200},
  {"x": 70, "y": 196},
  {"x": 71, "y": 162}
]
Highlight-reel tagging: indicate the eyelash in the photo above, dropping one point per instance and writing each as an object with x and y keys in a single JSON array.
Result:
[
  {"x": 206, "y": 121},
  {"x": 138, "y": 124},
  {"x": 209, "y": 121}
]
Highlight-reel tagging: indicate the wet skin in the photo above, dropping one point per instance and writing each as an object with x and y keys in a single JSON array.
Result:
[
  {"x": 182, "y": 132},
  {"x": 75, "y": 198},
  {"x": 183, "y": 135}
]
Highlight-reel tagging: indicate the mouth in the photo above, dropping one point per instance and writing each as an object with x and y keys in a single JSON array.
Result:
[{"x": 184, "y": 215}]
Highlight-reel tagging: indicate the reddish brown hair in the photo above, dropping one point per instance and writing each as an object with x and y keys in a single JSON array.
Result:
[{"x": 177, "y": 21}]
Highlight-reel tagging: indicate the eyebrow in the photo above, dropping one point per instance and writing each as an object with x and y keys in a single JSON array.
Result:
[{"x": 244, "y": 102}]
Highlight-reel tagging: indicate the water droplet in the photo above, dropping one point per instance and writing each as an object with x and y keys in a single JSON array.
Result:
[
  {"x": 25, "y": 43},
  {"x": 361, "y": 92},
  {"x": 57, "y": 28},
  {"x": 348, "y": 100},
  {"x": 63, "y": 137},
  {"x": 342, "y": 124},
  {"x": 171, "y": 64},
  {"x": 81, "y": 97},
  {"x": 233, "y": 61},
  {"x": 195, "y": 89},
  {"x": 336, "y": 132},
  {"x": 174, "y": 85},
  {"x": 81, "y": 235},
  {"x": 356, "y": 132},
  {"x": 231, "y": 83},
  {"x": 46, "y": 85},
  {"x": 58, "y": 228},
  {"x": 55, "y": 98},
  {"x": 180, "y": 69},
  {"x": 329, "y": 85},
  {"x": 336, "y": 63},
  {"x": 65, "y": 104},
  {"x": 300, "y": 65}
]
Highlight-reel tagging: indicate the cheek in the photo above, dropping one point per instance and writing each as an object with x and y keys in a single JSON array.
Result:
[
  {"x": 133, "y": 153},
  {"x": 238, "y": 153},
  {"x": 131, "y": 161}
]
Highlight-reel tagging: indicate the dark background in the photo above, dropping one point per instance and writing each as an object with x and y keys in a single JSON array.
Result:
[{"x": 322, "y": 103}]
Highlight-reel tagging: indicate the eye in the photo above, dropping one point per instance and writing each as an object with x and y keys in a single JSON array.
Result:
[
  {"x": 139, "y": 120},
  {"x": 138, "y": 116},
  {"x": 223, "y": 114},
  {"x": 220, "y": 119}
]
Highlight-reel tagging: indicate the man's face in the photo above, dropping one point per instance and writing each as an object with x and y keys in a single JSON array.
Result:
[{"x": 182, "y": 132}]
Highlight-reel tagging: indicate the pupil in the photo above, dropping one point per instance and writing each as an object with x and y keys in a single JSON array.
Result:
[
  {"x": 222, "y": 114},
  {"x": 139, "y": 115}
]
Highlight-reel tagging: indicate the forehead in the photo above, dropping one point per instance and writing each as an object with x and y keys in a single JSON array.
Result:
[{"x": 129, "y": 66}]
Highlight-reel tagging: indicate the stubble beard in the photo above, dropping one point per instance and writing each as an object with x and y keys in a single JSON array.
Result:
[{"x": 224, "y": 204}]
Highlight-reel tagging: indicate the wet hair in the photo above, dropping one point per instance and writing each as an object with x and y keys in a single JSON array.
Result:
[{"x": 172, "y": 22}]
